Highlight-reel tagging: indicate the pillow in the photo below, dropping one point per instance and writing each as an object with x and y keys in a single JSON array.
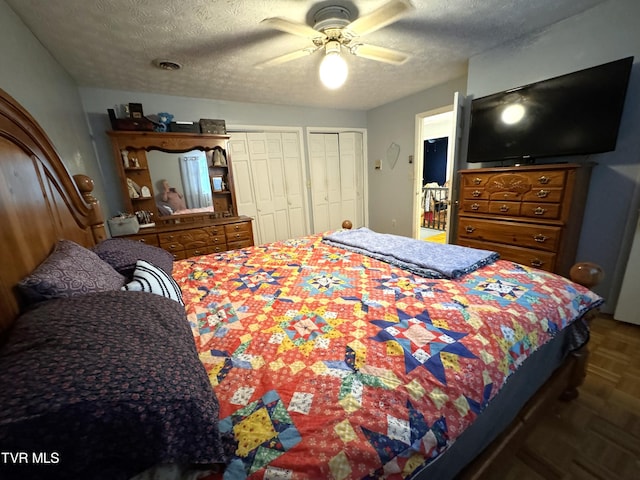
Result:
[
  {"x": 69, "y": 271},
  {"x": 149, "y": 278},
  {"x": 110, "y": 395},
  {"x": 122, "y": 254}
]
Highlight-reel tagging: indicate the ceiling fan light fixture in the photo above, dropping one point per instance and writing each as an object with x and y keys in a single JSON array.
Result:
[{"x": 333, "y": 68}]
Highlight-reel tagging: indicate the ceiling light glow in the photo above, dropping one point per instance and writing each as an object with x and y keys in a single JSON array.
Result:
[{"x": 333, "y": 68}]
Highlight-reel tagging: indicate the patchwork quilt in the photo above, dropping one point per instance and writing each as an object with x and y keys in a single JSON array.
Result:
[{"x": 331, "y": 364}]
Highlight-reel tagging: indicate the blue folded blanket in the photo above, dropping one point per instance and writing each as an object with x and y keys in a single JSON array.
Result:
[{"x": 427, "y": 259}]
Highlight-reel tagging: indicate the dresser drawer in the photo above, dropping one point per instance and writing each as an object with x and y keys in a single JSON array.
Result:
[
  {"x": 523, "y": 256},
  {"x": 178, "y": 255},
  {"x": 548, "y": 178},
  {"x": 475, "y": 193},
  {"x": 553, "y": 195},
  {"x": 475, "y": 179},
  {"x": 475, "y": 206},
  {"x": 172, "y": 247},
  {"x": 238, "y": 231},
  {"x": 219, "y": 247},
  {"x": 504, "y": 208},
  {"x": 540, "y": 210},
  {"x": 196, "y": 252},
  {"x": 150, "y": 239},
  {"x": 196, "y": 238},
  {"x": 169, "y": 237},
  {"x": 541, "y": 237},
  {"x": 236, "y": 245},
  {"x": 217, "y": 231}
]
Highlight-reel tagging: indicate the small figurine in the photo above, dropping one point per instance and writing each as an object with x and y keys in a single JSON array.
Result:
[
  {"x": 125, "y": 158},
  {"x": 219, "y": 159},
  {"x": 133, "y": 191}
]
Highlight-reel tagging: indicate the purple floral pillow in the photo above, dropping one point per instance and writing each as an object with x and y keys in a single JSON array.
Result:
[
  {"x": 122, "y": 254},
  {"x": 71, "y": 270}
]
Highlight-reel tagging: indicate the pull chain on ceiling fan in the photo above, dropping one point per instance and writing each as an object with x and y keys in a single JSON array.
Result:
[{"x": 334, "y": 31}]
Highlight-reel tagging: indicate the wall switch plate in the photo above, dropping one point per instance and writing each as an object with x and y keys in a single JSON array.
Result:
[{"x": 378, "y": 165}]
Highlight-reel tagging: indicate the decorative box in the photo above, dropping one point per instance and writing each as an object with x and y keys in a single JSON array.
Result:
[
  {"x": 123, "y": 225},
  {"x": 184, "y": 127},
  {"x": 213, "y": 126},
  {"x": 136, "y": 124}
]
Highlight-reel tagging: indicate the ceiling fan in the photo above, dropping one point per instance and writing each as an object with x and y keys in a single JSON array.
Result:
[{"x": 334, "y": 31}]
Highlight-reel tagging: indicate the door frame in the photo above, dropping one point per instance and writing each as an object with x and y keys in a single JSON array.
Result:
[
  {"x": 365, "y": 162},
  {"x": 418, "y": 163},
  {"x": 456, "y": 130}
]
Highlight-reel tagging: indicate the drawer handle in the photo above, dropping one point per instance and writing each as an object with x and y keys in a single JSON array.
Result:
[
  {"x": 143, "y": 240},
  {"x": 543, "y": 180},
  {"x": 542, "y": 193},
  {"x": 504, "y": 208},
  {"x": 476, "y": 193},
  {"x": 469, "y": 229},
  {"x": 537, "y": 263},
  {"x": 236, "y": 227},
  {"x": 477, "y": 180},
  {"x": 539, "y": 211},
  {"x": 540, "y": 238},
  {"x": 475, "y": 206},
  {"x": 197, "y": 252},
  {"x": 237, "y": 235}
]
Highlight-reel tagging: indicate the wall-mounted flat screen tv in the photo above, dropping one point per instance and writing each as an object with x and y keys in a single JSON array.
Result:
[{"x": 574, "y": 114}]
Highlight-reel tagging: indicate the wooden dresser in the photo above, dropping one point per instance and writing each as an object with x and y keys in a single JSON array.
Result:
[
  {"x": 184, "y": 234},
  {"x": 185, "y": 241},
  {"x": 529, "y": 214}
]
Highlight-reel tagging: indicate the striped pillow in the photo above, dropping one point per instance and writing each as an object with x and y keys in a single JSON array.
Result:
[{"x": 149, "y": 278}]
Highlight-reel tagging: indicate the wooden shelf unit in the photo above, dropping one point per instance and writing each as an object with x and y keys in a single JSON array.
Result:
[{"x": 184, "y": 234}]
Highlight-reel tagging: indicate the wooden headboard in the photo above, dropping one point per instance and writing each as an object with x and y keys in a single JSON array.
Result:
[{"x": 40, "y": 203}]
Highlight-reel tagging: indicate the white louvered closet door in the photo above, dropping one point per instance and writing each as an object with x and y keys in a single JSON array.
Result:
[
  {"x": 272, "y": 170},
  {"x": 336, "y": 165}
]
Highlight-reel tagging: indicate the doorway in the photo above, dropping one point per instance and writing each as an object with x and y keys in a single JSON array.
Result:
[{"x": 433, "y": 205}]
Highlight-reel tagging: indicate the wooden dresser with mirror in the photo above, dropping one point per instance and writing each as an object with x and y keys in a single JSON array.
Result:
[
  {"x": 529, "y": 214},
  {"x": 208, "y": 220}
]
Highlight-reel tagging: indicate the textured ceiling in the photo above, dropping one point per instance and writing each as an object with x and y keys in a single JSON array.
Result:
[{"x": 111, "y": 44}]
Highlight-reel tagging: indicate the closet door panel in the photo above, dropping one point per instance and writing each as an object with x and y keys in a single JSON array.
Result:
[
  {"x": 262, "y": 186},
  {"x": 334, "y": 182},
  {"x": 319, "y": 183},
  {"x": 275, "y": 155},
  {"x": 348, "y": 177},
  {"x": 294, "y": 184},
  {"x": 242, "y": 177}
]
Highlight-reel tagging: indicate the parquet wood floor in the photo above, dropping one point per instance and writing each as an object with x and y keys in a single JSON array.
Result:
[{"x": 597, "y": 435}]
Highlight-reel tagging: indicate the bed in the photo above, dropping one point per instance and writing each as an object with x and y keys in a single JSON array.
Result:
[{"x": 297, "y": 359}]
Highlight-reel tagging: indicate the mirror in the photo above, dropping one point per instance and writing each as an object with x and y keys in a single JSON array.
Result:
[{"x": 180, "y": 181}]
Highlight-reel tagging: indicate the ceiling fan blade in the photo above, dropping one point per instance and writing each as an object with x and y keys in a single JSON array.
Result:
[
  {"x": 383, "y": 16},
  {"x": 380, "y": 54},
  {"x": 299, "y": 29},
  {"x": 287, "y": 57}
]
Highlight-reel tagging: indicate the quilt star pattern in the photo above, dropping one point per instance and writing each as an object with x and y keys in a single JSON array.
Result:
[{"x": 331, "y": 364}]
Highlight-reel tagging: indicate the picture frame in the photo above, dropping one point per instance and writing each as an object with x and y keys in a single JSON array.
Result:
[{"x": 217, "y": 183}]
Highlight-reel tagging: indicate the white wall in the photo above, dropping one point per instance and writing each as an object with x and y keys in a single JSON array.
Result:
[
  {"x": 33, "y": 77},
  {"x": 391, "y": 190},
  {"x": 602, "y": 34}
]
